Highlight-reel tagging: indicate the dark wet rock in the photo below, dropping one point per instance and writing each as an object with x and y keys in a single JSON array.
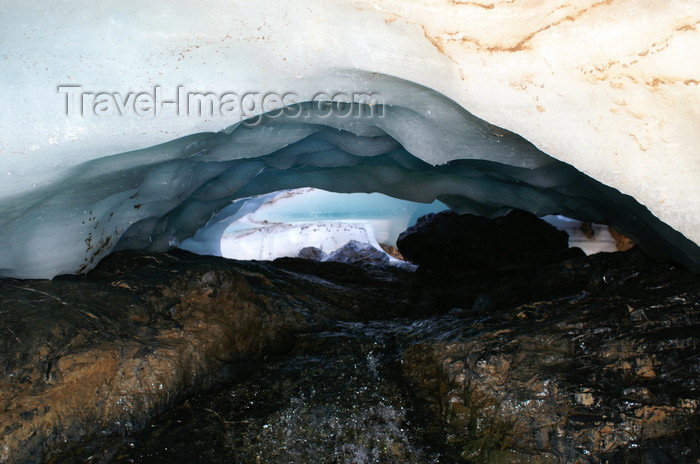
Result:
[
  {"x": 312, "y": 253},
  {"x": 449, "y": 242},
  {"x": 591, "y": 359},
  {"x": 610, "y": 373},
  {"x": 107, "y": 352},
  {"x": 360, "y": 254},
  {"x": 355, "y": 252},
  {"x": 336, "y": 398}
]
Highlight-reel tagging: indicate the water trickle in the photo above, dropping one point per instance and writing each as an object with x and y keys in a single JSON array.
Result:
[{"x": 337, "y": 398}]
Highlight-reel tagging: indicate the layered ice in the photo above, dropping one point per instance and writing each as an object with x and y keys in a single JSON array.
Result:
[
  {"x": 585, "y": 83},
  {"x": 433, "y": 149}
]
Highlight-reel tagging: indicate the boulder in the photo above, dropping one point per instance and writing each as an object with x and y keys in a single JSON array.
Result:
[
  {"x": 448, "y": 242},
  {"x": 355, "y": 252},
  {"x": 312, "y": 253}
]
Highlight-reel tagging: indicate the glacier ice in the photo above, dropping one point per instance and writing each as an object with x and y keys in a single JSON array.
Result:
[
  {"x": 157, "y": 197},
  {"x": 281, "y": 224},
  {"x": 584, "y": 90}
]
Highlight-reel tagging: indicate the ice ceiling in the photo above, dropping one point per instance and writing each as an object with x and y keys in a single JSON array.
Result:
[
  {"x": 73, "y": 189},
  {"x": 155, "y": 198}
]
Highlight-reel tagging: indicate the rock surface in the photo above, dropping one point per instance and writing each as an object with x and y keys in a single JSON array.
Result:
[
  {"x": 104, "y": 354},
  {"x": 355, "y": 252},
  {"x": 584, "y": 360},
  {"x": 392, "y": 251},
  {"x": 312, "y": 253},
  {"x": 450, "y": 242},
  {"x": 622, "y": 242},
  {"x": 607, "y": 374},
  {"x": 358, "y": 253}
]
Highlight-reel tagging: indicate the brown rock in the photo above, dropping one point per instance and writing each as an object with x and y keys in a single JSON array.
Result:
[
  {"x": 622, "y": 242},
  {"x": 392, "y": 251},
  {"x": 107, "y": 352},
  {"x": 578, "y": 380}
]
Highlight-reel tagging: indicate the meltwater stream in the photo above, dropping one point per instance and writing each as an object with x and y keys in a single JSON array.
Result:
[{"x": 338, "y": 397}]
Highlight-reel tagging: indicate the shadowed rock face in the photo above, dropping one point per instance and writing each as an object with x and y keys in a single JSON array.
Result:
[
  {"x": 355, "y": 252},
  {"x": 586, "y": 359},
  {"x": 450, "y": 242},
  {"x": 606, "y": 374}
]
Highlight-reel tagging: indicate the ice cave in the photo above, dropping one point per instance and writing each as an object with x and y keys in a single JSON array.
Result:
[
  {"x": 426, "y": 149},
  {"x": 164, "y": 165}
]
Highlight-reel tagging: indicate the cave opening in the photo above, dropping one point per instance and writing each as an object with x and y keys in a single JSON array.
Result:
[
  {"x": 151, "y": 353},
  {"x": 416, "y": 145},
  {"x": 214, "y": 246},
  {"x": 331, "y": 153}
]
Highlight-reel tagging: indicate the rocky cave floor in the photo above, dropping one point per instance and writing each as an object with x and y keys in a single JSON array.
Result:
[{"x": 177, "y": 357}]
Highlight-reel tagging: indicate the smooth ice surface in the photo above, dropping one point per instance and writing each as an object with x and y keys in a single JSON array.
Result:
[
  {"x": 156, "y": 197},
  {"x": 281, "y": 224}
]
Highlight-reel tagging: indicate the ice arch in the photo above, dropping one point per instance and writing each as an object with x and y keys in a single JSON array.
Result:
[
  {"x": 606, "y": 87},
  {"x": 428, "y": 149}
]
